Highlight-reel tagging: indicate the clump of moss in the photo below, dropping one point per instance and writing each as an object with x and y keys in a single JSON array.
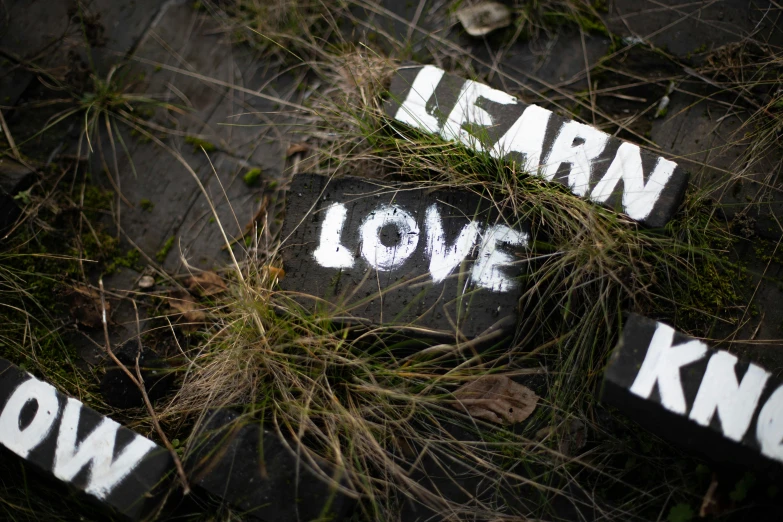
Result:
[
  {"x": 129, "y": 260},
  {"x": 198, "y": 143},
  {"x": 146, "y": 205},
  {"x": 164, "y": 250},
  {"x": 252, "y": 177}
]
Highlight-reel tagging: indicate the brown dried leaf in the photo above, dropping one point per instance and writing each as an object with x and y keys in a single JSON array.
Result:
[
  {"x": 205, "y": 284},
  {"x": 484, "y": 18},
  {"x": 573, "y": 437},
  {"x": 496, "y": 398},
  {"x": 273, "y": 272},
  {"x": 86, "y": 306},
  {"x": 296, "y": 148},
  {"x": 191, "y": 311}
]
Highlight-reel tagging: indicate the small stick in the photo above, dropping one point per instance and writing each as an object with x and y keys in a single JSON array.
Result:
[
  {"x": 140, "y": 385},
  {"x": 10, "y": 139}
]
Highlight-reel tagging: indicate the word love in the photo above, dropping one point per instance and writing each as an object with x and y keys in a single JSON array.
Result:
[
  {"x": 444, "y": 258},
  {"x": 592, "y": 164},
  {"x": 79, "y": 446},
  {"x": 397, "y": 254},
  {"x": 695, "y": 396}
]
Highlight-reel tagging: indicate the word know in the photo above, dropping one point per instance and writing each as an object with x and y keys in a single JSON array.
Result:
[
  {"x": 695, "y": 395},
  {"x": 592, "y": 164}
]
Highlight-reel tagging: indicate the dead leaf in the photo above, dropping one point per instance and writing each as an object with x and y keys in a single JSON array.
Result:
[
  {"x": 484, "y": 18},
  {"x": 205, "y": 284},
  {"x": 496, "y": 398},
  {"x": 86, "y": 306},
  {"x": 273, "y": 272},
  {"x": 192, "y": 313},
  {"x": 573, "y": 437},
  {"x": 296, "y": 148}
]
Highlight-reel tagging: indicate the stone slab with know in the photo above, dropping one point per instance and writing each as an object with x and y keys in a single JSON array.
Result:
[
  {"x": 395, "y": 254},
  {"x": 255, "y": 471},
  {"x": 702, "y": 399},
  {"x": 594, "y": 165},
  {"x": 121, "y": 471}
]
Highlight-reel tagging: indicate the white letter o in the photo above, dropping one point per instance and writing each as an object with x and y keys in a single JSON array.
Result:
[
  {"x": 23, "y": 441},
  {"x": 380, "y": 256},
  {"x": 769, "y": 427}
]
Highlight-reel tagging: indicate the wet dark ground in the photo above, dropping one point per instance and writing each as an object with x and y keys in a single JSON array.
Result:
[{"x": 173, "y": 48}]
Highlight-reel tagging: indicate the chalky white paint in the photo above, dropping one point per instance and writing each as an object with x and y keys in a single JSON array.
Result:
[
  {"x": 97, "y": 451},
  {"x": 734, "y": 402},
  {"x": 526, "y": 137},
  {"x": 769, "y": 426},
  {"x": 580, "y": 156},
  {"x": 380, "y": 256},
  {"x": 467, "y": 111},
  {"x": 662, "y": 366},
  {"x": 486, "y": 272},
  {"x": 330, "y": 252},
  {"x": 445, "y": 258},
  {"x": 23, "y": 441},
  {"x": 413, "y": 110},
  {"x": 638, "y": 197}
]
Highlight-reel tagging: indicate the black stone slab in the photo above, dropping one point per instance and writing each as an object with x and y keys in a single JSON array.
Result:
[
  {"x": 671, "y": 383},
  {"x": 119, "y": 470},
  {"x": 119, "y": 391},
  {"x": 252, "y": 469},
  {"x": 402, "y": 292},
  {"x": 488, "y": 122}
]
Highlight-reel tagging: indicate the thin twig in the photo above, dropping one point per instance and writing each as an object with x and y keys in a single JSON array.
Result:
[{"x": 139, "y": 382}]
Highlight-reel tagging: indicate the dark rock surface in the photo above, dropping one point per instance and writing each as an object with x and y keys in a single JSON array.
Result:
[
  {"x": 250, "y": 468},
  {"x": 14, "y": 178},
  {"x": 117, "y": 388}
]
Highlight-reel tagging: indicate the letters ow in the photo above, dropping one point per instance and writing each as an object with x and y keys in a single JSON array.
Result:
[
  {"x": 96, "y": 450},
  {"x": 576, "y": 145}
]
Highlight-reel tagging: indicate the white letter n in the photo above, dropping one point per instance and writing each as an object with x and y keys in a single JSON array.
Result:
[
  {"x": 735, "y": 403},
  {"x": 662, "y": 365}
]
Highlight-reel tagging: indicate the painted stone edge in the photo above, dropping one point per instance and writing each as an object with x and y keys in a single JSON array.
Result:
[
  {"x": 158, "y": 460},
  {"x": 668, "y": 203},
  {"x": 680, "y": 430},
  {"x": 502, "y": 327}
]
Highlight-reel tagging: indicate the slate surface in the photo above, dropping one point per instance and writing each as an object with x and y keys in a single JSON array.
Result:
[
  {"x": 14, "y": 178},
  {"x": 252, "y": 470},
  {"x": 406, "y": 295},
  {"x": 659, "y": 413},
  {"x": 502, "y": 116},
  {"x": 134, "y": 495}
]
